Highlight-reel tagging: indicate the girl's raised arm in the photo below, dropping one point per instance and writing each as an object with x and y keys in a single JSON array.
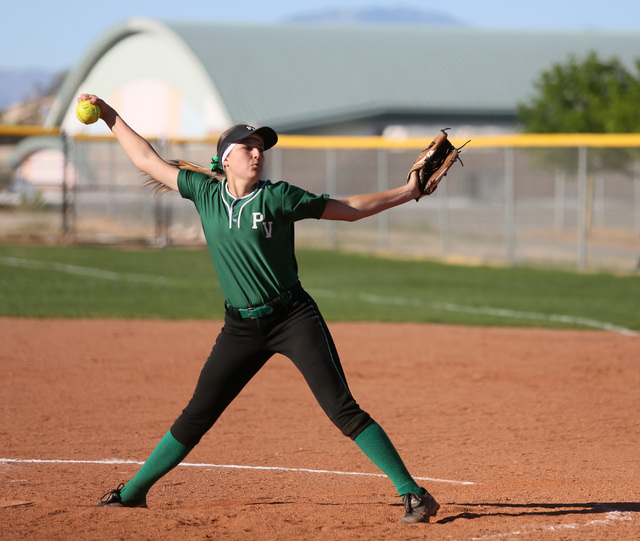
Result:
[{"x": 139, "y": 150}]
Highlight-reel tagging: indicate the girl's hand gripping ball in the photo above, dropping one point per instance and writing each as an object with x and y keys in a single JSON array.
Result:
[{"x": 87, "y": 113}]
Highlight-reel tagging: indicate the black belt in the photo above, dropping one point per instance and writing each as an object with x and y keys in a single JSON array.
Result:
[{"x": 257, "y": 312}]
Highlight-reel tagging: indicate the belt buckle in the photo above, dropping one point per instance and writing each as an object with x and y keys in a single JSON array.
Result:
[{"x": 260, "y": 311}]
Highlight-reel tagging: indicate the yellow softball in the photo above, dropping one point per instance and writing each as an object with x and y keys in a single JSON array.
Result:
[{"x": 87, "y": 113}]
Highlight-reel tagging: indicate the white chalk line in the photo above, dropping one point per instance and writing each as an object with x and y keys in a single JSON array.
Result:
[
  {"x": 231, "y": 466},
  {"x": 365, "y": 297},
  {"x": 483, "y": 310},
  {"x": 84, "y": 271},
  {"x": 611, "y": 518}
]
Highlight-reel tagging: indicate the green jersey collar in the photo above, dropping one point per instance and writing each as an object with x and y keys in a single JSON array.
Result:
[{"x": 235, "y": 205}]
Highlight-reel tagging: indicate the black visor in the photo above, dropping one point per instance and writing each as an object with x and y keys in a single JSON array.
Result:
[{"x": 242, "y": 131}]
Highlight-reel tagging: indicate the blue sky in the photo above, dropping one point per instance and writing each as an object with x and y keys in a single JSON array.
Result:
[{"x": 54, "y": 35}]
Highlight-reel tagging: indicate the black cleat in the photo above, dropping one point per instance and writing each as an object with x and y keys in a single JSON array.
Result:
[
  {"x": 113, "y": 499},
  {"x": 418, "y": 508}
]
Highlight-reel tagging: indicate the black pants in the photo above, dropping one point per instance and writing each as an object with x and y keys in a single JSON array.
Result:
[{"x": 243, "y": 346}]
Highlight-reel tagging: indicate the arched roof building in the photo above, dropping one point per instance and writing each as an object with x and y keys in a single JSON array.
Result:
[{"x": 178, "y": 79}]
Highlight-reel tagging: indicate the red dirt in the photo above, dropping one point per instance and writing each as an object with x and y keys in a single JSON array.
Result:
[{"x": 545, "y": 423}]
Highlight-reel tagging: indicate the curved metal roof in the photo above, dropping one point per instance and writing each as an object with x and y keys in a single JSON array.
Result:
[
  {"x": 297, "y": 76},
  {"x": 294, "y": 74}
]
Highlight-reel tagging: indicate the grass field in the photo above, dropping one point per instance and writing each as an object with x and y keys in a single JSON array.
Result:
[{"x": 57, "y": 281}]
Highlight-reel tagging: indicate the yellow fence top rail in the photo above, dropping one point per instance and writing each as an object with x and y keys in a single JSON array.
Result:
[
  {"x": 481, "y": 141},
  {"x": 610, "y": 140},
  {"x": 26, "y": 131}
]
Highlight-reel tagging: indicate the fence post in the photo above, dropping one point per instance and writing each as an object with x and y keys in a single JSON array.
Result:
[
  {"x": 560, "y": 199},
  {"x": 443, "y": 218},
  {"x": 275, "y": 164},
  {"x": 383, "y": 185},
  {"x": 65, "y": 187},
  {"x": 582, "y": 208},
  {"x": 332, "y": 189},
  {"x": 636, "y": 197},
  {"x": 599, "y": 200},
  {"x": 509, "y": 207}
]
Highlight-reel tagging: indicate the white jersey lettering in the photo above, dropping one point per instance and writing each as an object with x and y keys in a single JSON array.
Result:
[{"x": 257, "y": 218}]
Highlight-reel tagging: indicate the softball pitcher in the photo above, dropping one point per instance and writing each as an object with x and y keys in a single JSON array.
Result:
[{"x": 248, "y": 224}]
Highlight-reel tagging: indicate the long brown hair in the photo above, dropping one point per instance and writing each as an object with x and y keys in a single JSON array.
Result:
[{"x": 158, "y": 188}]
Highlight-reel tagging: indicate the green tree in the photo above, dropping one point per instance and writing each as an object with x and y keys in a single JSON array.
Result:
[{"x": 584, "y": 96}]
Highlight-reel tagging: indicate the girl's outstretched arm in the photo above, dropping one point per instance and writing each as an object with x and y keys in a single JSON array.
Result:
[{"x": 357, "y": 207}]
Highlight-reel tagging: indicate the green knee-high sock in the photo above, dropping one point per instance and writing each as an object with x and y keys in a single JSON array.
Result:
[
  {"x": 166, "y": 456},
  {"x": 376, "y": 445}
]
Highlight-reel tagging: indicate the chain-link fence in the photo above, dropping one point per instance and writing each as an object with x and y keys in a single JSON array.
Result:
[{"x": 517, "y": 200}]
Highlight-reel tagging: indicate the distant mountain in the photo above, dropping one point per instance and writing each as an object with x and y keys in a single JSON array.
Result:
[
  {"x": 378, "y": 15},
  {"x": 18, "y": 85}
]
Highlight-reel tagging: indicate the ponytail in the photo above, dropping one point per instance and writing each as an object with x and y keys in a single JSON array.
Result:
[{"x": 158, "y": 188}]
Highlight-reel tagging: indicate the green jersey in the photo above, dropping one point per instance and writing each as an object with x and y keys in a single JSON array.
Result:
[{"x": 251, "y": 239}]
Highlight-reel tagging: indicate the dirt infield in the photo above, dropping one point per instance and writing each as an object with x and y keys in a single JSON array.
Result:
[{"x": 519, "y": 434}]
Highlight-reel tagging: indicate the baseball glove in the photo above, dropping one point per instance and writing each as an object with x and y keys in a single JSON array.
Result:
[{"x": 434, "y": 162}]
